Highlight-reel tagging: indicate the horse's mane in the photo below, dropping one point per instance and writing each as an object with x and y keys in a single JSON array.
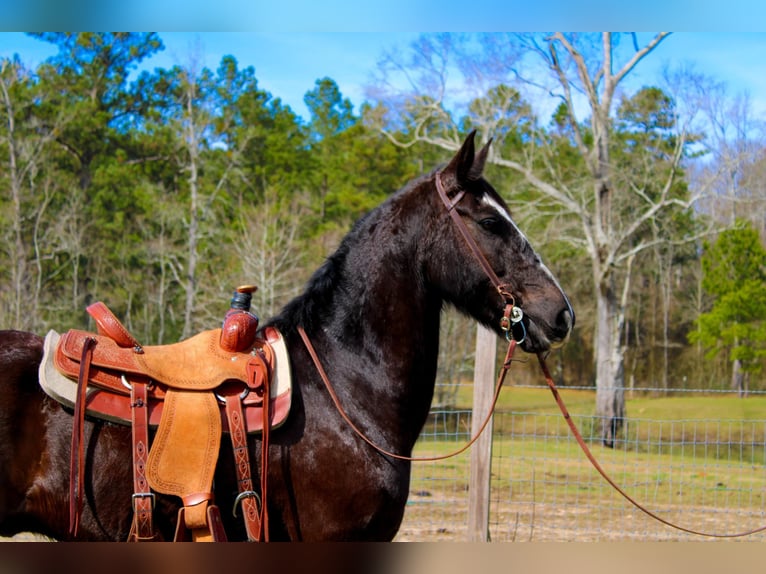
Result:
[{"x": 307, "y": 308}]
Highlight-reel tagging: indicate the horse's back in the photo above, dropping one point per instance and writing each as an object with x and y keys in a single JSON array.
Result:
[
  {"x": 20, "y": 356},
  {"x": 21, "y": 421}
]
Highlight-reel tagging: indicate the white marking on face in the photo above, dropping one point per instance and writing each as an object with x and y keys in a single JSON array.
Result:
[
  {"x": 486, "y": 199},
  {"x": 490, "y": 201}
]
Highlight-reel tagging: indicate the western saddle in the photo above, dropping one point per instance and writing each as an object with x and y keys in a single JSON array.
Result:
[{"x": 220, "y": 381}]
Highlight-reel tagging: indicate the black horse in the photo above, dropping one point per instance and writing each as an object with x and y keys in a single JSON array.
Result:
[{"x": 372, "y": 312}]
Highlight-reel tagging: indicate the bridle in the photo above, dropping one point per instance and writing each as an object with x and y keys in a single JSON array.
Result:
[{"x": 512, "y": 315}]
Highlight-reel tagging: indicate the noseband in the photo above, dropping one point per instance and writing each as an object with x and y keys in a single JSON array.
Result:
[{"x": 512, "y": 314}]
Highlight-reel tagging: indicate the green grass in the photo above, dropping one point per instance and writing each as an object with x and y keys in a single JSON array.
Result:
[
  {"x": 534, "y": 468},
  {"x": 581, "y": 402},
  {"x": 706, "y": 444},
  {"x": 715, "y": 426}
]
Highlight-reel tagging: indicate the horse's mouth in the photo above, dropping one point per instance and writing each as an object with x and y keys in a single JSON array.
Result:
[
  {"x": 533, "y": 339},
  {"x": 560, "y": 343}
]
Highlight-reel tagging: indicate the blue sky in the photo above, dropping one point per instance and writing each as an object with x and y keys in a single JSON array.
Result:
[
  {"x": 287, "y": 63},
  {"x": 292, "y": 43},
  {"x": 390, "y": 15}
]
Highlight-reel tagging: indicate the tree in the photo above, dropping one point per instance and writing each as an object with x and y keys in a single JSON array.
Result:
[
  {"x": 331, "y": 115},
  {"x": 645, "y": 137},
  {"x": 87, "y": 81},
  {"x": 229, "y": 148},
  {"x": 189, "y": 119},
  {"x": 31, "y": 178},
  {"x": 268, "y": 248},
  {"x": 598, "y": 206},
  {"x": 90, "y": 73},
  {"x": 21, "y": 151},
  {"x": 735, "y": 169},
  {"x": 735, "y": 276},
  {"x": 353, "y": 167}
]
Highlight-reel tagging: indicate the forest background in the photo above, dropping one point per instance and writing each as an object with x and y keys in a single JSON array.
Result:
[{"x": 160, "y": 193}]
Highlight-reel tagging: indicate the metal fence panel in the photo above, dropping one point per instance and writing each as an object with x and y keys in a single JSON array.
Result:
[{"x": 708, "y": 475}]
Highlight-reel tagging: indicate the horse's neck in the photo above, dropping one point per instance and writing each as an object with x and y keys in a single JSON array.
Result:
[
  {"x": 395, "y": 326},
  {"x": 384, "y": 329}
]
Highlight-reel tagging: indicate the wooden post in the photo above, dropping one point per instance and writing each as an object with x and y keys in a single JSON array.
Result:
[{"x": 481, "y": 451}]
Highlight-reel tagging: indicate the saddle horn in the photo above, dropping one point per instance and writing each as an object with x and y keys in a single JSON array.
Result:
[{"x": 239, "y": 324}]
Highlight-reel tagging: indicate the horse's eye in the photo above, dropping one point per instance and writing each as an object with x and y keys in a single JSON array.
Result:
[{"x": 490, "y": 224}]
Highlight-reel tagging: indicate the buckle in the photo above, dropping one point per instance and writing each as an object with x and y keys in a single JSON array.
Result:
[{"x": 241, "y": 496}]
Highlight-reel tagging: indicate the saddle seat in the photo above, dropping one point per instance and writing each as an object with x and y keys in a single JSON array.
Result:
[{"x": 191, "y": 392}]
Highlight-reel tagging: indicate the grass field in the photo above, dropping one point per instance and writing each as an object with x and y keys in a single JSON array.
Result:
[{"x": 694, "y": 460}]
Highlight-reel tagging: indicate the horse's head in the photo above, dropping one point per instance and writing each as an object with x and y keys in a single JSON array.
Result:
[{"x": 511, "y": 271}]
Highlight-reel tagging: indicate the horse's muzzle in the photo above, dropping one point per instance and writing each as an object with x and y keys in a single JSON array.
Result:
[{"x": 565, "y": 321}]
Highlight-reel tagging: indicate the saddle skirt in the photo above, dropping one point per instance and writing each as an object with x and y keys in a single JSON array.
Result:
[{"x": 197, "y": 364}]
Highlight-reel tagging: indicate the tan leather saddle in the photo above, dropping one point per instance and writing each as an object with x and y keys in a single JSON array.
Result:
[{"x": 192, "y": 391}]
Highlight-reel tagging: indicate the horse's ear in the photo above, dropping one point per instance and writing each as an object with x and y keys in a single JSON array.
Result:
[
  {"x": 477, "y": 168},
  {"x": 460, "y": 165},
  {"x": 467, "y": 164}
]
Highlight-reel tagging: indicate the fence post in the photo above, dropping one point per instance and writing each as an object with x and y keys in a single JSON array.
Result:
[{"x": 481, "y": 452}]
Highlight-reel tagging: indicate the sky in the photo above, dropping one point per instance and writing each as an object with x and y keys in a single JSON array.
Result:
[{"x": 293, "y": 43}]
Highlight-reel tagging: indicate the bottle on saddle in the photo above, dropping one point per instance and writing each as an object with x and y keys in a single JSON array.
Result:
[{"x": 239, "y": 324}]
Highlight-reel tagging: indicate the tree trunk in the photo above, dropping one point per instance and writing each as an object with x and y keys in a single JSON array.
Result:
[
  {"x": 18, "y": 267},
  {"x": 194, "y": 216},
  {"x": 610, "y": 371},
  {"x": 738, "y": 378}
]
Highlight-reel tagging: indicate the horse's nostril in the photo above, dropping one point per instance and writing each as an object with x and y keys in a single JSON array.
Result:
[{"x": 565, "y": 321}]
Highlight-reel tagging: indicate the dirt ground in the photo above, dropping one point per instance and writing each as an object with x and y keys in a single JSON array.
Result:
[
  {"x": 440, "y": 517},
  {"x": 431, "y": 517}
]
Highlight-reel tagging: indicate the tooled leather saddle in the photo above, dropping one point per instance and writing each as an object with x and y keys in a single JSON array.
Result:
[{"x": 232, "y": 380}]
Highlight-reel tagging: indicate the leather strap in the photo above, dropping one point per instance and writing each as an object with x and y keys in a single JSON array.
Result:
[
  {"x": 212, "y": 532},
  {"x": 502, "y": 288},
  {"x": 326, "y": 380},
  {"x": 256, "y": 520},
  {"x": 265, "y": 441},
  {"x": 602, "y": 472},
  {"x": 142, "y": 528},
  {"x": 77, "y": 455},
  {"x": 108, "y": 324},
  {"x": 247, "y": 496}
]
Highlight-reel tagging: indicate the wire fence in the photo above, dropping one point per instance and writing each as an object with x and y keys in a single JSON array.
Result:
[{"x": 704, "y": 474}]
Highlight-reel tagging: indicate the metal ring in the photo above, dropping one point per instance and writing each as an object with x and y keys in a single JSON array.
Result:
[
  {"x": 126, "y": 383},
  {"x": 241, "y": 496},
  {"x": 524, "y": 338},
  {"x": 509, "y": 335},
  {"x": 516, "y": 314},
  {"x": 241, "y": 397},
  {"x": 506, "y": 294}
]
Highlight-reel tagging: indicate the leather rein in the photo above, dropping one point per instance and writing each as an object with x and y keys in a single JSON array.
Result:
[{"x": 511, "y": 316}]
